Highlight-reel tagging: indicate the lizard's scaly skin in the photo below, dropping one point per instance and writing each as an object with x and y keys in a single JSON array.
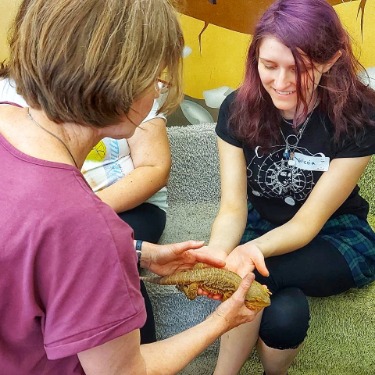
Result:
[{"x": 216, "y": 281}]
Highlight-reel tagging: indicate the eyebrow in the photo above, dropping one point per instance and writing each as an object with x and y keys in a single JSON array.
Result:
[
  {"x": 266, "y": 60},
  {"x": 271, "y": 61}
]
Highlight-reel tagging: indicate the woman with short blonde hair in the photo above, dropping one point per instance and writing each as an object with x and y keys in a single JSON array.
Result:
[{"x": 98, "y": 59}]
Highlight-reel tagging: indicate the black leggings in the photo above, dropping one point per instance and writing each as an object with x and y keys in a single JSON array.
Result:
[
  {"x": 148, "y": 222},
  {"x": 316, "y": 270}
]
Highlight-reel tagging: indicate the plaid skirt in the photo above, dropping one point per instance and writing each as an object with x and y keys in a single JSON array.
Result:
[{"x": 352, "y": 236}]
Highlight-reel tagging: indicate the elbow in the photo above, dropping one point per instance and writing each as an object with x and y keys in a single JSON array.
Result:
[{"x": 164, "y": 177}]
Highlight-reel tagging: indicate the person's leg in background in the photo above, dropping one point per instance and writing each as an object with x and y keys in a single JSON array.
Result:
[
  {"x": 147, "y": 220},
  {"x": 317, "y": 270}
]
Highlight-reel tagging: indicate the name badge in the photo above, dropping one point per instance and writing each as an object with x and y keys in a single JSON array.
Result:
[{"x": 311, "y": 163}]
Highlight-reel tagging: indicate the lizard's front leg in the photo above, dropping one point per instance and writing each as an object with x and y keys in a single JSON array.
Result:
[{"x": 190, "y": 291}]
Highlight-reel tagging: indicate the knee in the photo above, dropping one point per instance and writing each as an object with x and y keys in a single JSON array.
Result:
[{"x": 285, "y": 323}]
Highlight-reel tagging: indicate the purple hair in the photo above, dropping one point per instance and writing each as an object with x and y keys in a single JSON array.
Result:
[{"x": 311, "y": 26}]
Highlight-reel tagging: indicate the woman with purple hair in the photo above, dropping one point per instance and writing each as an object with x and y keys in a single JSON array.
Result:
[
  {"x": 70, "y": 291},
  {"x": 294, "y": 140}
]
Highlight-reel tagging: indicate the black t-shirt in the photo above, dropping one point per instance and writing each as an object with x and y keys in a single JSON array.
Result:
[{"x": 277, "y": 188}]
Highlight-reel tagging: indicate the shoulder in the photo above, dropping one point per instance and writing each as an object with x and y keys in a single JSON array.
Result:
[
  {"x": 359, "y": 143},
  {"x": 356, "y": 141},
  {"x": 226, "y": 108},
  {"x": 227, "y": 102},
  {"x": 223, "y": 128}
]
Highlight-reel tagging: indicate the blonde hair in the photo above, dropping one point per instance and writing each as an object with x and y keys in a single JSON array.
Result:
[{"x": 86, "y": 61}]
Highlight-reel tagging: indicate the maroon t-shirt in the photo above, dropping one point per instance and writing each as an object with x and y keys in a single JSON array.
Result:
[{"x": 69, "y": 279}]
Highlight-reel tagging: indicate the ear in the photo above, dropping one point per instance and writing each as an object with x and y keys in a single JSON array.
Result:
[{"x": 327, "y": 66}]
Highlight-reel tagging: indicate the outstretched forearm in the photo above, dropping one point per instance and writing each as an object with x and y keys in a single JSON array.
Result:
[
  {"x": 123, "y": 355},
  {"x": 230, "y": 221},
  {"x": 330, "y": 192},
  {"x": 285, "y": 239},
  {"x": 228, "y": 229}
]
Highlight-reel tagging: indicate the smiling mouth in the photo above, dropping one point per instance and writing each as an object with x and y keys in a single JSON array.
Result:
[{"x": 284, "y": 92}]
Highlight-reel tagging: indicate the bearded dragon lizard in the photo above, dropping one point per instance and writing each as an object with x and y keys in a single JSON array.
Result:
[{"x": 215, "y": 281}]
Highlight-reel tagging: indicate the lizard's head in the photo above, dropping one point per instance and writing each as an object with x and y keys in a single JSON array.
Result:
[
  {"x": 258, "y": 297},
  {"x": 257, "y": 305}
]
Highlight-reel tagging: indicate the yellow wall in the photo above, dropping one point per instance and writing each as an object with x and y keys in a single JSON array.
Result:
[
  {"x": 216, "y": 44},
  {"x": 218, "y": 59},
  {"x": 7, "y": 11}
]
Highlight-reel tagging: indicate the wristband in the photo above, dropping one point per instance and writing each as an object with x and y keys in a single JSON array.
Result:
[{"x": 138, "y": 250}]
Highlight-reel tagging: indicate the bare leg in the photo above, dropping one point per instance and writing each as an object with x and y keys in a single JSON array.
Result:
[
  {"x": 236, "y": 346},
  {"x": 275, "y": 361}
]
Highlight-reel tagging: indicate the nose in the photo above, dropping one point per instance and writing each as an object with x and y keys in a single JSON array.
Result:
[{"x": 283, "y": 78}]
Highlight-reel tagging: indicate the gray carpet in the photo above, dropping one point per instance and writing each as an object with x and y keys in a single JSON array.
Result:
[{"x": 342, "y": 330}]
